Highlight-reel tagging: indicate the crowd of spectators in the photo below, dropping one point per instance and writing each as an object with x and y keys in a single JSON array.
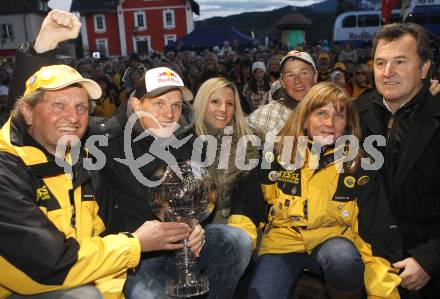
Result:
[{"x": 254, "y": 71}]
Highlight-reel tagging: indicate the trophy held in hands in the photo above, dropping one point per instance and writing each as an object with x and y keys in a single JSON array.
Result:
[{"x": 187, "y": 194}]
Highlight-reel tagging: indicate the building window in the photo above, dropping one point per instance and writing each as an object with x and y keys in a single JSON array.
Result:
[
  {"x": 99, "y": 21},
  {"x": 102, "y": 46},
  {"x": 7, "y": 31},
  {"x": 169, "y": 38},
  {"x": 142, "y": 44},
  {"x": 140, "y": 20},
  {"x": 168, "y": 19}
]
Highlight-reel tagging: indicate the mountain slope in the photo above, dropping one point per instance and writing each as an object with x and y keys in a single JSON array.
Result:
[{"x": 322, "y": 16}]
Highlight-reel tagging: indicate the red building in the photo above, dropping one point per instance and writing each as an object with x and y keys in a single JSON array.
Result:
[{"x": 120, "y": 27}]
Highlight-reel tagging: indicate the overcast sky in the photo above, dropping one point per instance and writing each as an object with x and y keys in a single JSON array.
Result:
[{"x": 211, "y": 8}]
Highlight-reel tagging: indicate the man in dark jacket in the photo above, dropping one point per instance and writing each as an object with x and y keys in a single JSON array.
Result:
[
  {"x": 403, "y": 110},
  {"x": 160, "y": 107}
]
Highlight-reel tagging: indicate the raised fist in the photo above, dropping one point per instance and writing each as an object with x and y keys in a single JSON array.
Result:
[{"x": 58, "y": 26}]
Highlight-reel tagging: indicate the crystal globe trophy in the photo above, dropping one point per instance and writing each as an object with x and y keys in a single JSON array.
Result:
[{"x": 187, "y": 194}]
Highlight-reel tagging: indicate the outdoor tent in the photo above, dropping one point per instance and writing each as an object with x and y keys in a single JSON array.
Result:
[{"x": 208, "y": 37}]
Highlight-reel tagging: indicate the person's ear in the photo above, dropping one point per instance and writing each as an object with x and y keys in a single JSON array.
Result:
[
  {"x": 315, "y": 79},
  {"x": 136, "y": 104},
  {"x": 26, "y": 112},
  {"x": 425, "y": 69}
]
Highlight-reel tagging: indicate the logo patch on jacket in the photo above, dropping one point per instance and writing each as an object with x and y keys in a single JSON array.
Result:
[
  {"x": 45, "y": 199},
  {"x": 349, "y": 181},
  {"x": 269, "y": 156},
  {"x": 363, "y": 180},
  {"x": 42, "y": 194},
  {"x": 288, "y": 177},
  {"x": 273, "y": 176},
  {"x": 289, "y": 182},
  {"x": 345, "y": 190}
]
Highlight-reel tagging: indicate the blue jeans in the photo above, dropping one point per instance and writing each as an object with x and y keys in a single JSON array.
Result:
[
  {"x": 85, "y": 291},
  {"x": 337, "y": 259},
  {"x": 223, "y": 259}
]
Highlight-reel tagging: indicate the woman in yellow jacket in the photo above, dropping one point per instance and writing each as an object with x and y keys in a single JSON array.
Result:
[
  {"x": 327, "y": 215},
  {"x": 107, "y": 104}
]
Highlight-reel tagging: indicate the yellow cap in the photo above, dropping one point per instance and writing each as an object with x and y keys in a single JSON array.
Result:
[
  {"x": 58, "y": 76},
  {"x": 339, "y": 65},
  {"x": 324, "y": 55}
]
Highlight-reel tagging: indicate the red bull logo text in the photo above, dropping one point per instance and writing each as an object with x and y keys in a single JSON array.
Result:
[{"x": 168, "y": 77}]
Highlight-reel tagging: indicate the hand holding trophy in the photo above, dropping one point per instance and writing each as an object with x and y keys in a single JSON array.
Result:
[{"x": 187, "y": 194}]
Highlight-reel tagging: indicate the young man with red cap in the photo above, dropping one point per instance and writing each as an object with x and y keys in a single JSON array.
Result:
[{"x": 160, "y": 110}]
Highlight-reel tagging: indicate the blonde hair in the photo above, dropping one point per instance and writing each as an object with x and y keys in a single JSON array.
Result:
[
  {"x": 201, "y": 102},
  {"x": 318, "y": 96}
]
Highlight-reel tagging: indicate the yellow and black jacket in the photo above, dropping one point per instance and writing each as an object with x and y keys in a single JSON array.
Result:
[
  {"x": 302, "y": 208},
  {"x": 50, "y": 222}
]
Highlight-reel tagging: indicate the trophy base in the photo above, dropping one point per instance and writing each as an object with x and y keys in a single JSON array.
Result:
[{"x": 196, "y": 285}]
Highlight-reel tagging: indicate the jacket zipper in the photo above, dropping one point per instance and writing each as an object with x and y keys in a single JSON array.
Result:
[{"x": 72, "y": 203}]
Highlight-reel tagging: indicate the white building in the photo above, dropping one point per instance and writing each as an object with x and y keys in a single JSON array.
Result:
[{"x": 20, "y": 21}]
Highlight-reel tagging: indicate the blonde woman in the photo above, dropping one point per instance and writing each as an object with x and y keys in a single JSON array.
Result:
[
  {"x": 332, "y": 223},
  {"x": 218, "y": 113},
  {"x": 361, "y": 80}
]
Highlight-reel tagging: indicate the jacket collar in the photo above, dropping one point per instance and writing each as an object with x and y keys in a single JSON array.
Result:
[
  {"x": 425, "y": 124},
  {"x": 372, "y": 112},
  {"x": 280, "y": 95},
  {"x": 325, "y": 158},
  {"x": 412, "y": 104}
]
